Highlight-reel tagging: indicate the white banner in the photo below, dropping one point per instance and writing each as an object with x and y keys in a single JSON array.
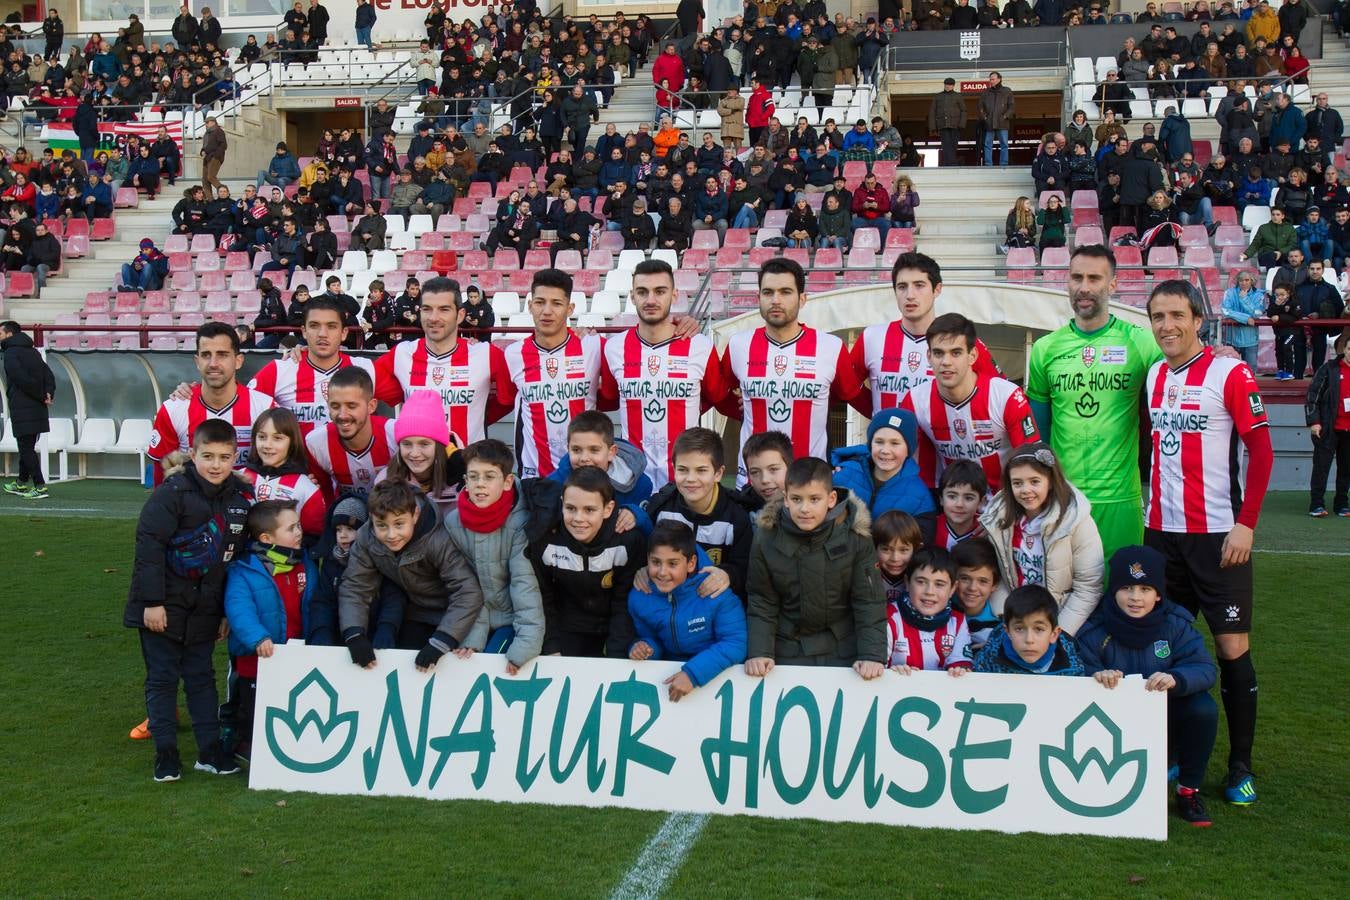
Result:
[{"x": 1002, "y": 752}]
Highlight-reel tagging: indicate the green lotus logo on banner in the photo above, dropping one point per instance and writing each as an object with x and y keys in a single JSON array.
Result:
[
  {"x": 326, "y": 721},
  {"x": 1077, "y": 764}
]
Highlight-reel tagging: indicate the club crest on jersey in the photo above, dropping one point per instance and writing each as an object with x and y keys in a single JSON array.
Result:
[
  {"x": 913, "y": 360},
  {"x": 1089, "y": 357},
  {"x": 551, "y": 366},
  {"x": 263, "y": 491},
  {"x": 1172, "y": 393},
  {"x": 653, "y": 364},
  {"x": 960, "y": 428},
  {"x": 607, "y": 581},
  {"x": 363, "y": 476},
  {"x": 780, "y": 364},
  {"x": 438, "y": 375},
  {"x": 300, "y": 579},
  {"x": 946, "y": 642}
]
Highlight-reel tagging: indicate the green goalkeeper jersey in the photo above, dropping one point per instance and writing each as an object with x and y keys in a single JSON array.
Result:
[{"x": 1093, "y": 383}]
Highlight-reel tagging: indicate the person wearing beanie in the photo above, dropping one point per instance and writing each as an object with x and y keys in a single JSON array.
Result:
[
  {"x": 282, "y": 170},
  {"x": 425, "y": 449},
  {"x": 345, "y": 519},
  {"x": 146, "y": 272},
  {"x": 883, "y": 474},
  {"x": 1136, "y": 630}
]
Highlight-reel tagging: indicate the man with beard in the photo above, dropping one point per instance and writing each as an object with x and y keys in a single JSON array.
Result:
[{"x": 348, "y": 453}]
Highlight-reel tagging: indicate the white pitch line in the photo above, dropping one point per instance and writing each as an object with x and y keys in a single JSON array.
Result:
[
  {"x": 20, "y": 511},
  {"x": 662, "y": 857},
  {"x": 1302, "y": 552}
]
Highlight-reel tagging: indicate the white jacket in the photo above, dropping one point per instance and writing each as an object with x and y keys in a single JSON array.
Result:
[{"x": 1073, "y": 558}]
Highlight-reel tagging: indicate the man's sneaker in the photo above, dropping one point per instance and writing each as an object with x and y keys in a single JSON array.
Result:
[
  {"x": 1343, "y": 513},
  {"x": 141, "y": 732},
  {"x": 1240, "y": 788},
  {"x": 17, "y": 488},
  {"x": 215, "y": 761},
  {"x": 1191, "y": 808},
  {"x": 37, "y": 492},
  {"x": 168, "y": 767},
  {"x": 1284, "y": 376},
  {"x": 1318, "y": 513}
]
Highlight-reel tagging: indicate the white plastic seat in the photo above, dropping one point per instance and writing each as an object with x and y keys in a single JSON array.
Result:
[
  {"x": 382, "y": 261},
  {"x": 96, "y": 436},
  {"x": 520, "y": 320},
  {"x": 419, "y": 225},
  {"x": 360, "y": 286},
  {"x": 605, "y": 304},
  {"x": 1253, "y": 217},
  {"x": 670, "y": 257},
  {"x": 505, "y": 304},
  {"x": 355, "y": 261},
  {"x": 59, "y": 439},
  {"x": 402, "y": 240},
  {"x": 628, "y": 259},
  {"x": 591, "y": 320},
  {"x": 619, "y": 281},
  {"x": 393, "y": 224}
]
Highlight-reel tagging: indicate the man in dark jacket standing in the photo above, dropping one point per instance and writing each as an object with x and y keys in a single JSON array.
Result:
[
  {"x": 578, "y": 112},
  {"x": 86, "y": 127},
  {"x": 690, "y": 15},
  {"x": 365, "y": 21},
  {"x": 29, "y": 387},
  {"x": 997, "y": 108},
  {"x": 1140, "y": 176},
  {"x": 1327, "y": 412},
  {"x": 947, "y": 119},
  {"x": 318, "y": 22},
  {"x": 185, "y": 29},
  {"x": 54, "y": 31}
]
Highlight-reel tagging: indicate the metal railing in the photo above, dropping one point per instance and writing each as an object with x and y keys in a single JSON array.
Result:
[{"x": 1078, "y": 93}]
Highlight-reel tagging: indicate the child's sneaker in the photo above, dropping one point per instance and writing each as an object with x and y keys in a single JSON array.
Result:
[
  {"x": 1191, "y": 808},
  {"x": 168, "y": 767},
  {"x": 1240, "y": 788},
  {"x": 37, "y": 492},
  {"x": 1284, "y": 376},
  {"x": 215, "y": 761},
  {"x": 17, "y": 488},
  {"x": 1343, "y": 513},
  {"x": 141, "y": 732},
  {"x": 1318, "y": 513}
]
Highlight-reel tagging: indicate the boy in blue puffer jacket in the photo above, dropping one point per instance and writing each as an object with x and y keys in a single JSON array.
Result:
[
  {"x": 267, "y": 594},
  {"x": 672, "y": 621},
  {"x": 1135, "y": 630},
  {"x": 883, "y": 474}
]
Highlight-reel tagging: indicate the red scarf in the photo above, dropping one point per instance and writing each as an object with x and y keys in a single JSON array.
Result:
[{"x": 487, "y": 520}]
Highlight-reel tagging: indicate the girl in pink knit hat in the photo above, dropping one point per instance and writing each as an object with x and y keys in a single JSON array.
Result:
[{"x": 426, "y": 451}]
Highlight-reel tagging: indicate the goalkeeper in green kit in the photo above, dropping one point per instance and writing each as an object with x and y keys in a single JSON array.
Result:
[{"x": 1085, "y": 383}]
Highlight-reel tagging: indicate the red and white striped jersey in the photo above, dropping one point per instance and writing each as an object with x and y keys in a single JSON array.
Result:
[
  {"x": 301, "y": 387},
  {"x": 552, "y": 386},
  {"x": 297, "y": 487},
  {"x": 472, "y": 379},
  {"x": 788, "y": 387},
  {"x": 896, "y": 362},
  {"x": 944, "y": 537},
  {"x": 663, "y": 390},
  {"x": 943, "y": 648},
  {"x": 177, "y": 421},
  {"x": 1198, "y": 411},
  {"x": 1028, "y": 550},
  {"x": 346, "y": 472},
  {"x": 985, "y": 427}
]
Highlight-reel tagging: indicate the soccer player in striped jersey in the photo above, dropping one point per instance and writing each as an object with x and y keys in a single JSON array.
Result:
[
  {"x": 557, "y": 374},
  {"x": 347, "y": 454},
  {"x": 926, "y": 633},
  {"x": 218, "y": 396},
  {"x": 665, "y": 382},
  {"x": 299, "y": 382},
  {"x": 1199, "y": 406},
  {"x": 962, "y": 415},
  {"x": 784, "y": 375},
  {"x": 893, "y": 356},
  {"x": 471, "y": 377}
]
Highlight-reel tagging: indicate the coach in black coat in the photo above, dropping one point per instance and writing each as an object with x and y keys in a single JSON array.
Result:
[{"x": 29, "y": 385}]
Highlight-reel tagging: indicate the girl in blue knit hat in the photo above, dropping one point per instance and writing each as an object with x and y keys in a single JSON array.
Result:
[{"x": 883, "y": 474}]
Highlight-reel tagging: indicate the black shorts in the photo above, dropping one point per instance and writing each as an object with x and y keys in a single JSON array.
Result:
[{"x": 1196, "y": 582}]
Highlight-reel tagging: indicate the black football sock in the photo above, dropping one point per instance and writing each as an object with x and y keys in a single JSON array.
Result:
[{"x": 1237, "y": 687}]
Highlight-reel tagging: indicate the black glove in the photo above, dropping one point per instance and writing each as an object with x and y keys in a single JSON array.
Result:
[
  {"x": 439, "y": 645},
  {"x": 358, "y": 645}
]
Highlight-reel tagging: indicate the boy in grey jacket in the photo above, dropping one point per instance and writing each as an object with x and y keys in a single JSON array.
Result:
[
  {"x": 488, "y": 528},
  {"x": 401, "y": 549}
]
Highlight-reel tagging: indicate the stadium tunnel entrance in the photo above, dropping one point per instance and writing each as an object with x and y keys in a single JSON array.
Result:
[{"x": 1039, "y": 108}]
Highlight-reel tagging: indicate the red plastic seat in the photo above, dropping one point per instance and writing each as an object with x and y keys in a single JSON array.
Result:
[
  {"x": 431, "y": 241},
  {"x": 445, "y": 261},
  {"x": 696, "y": 260},
  {"x": 102, "y": 230},
  {"x": 900, "y": 237},
  {"x": 155, "y": 302},
  {"x": 21, "y": 284},
  {"x": 738, "y": 238},
  {"x": 77, "y": 227},
  {"x": 706, "y": 240},
  {"x": 474, "y": 260},
  {"x": 180, "y": 262},
  {"x": 727, "y": 257},
  {"x": 126, "y": 302},
  {"x": 77, "y": 246},
  {"x": 237, "y": 261},
  {"x": 242, "y": 281},
  {"x": 126, "y": 198}
]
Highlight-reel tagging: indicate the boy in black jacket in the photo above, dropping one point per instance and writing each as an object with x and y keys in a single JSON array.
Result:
[
  {"x": 585, "y": 569},
  {"x": 331, "y": 554},
  {"x": 695, "y": 498},
  {"x": 189, "y": 529}
]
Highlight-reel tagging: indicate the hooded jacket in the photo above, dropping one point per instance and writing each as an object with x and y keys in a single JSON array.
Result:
[
  {"x": 1167, "y": 642},
  {"x": 1073, "y": 558},
  {"x": 254, "y": 605},
  {"x": 182, "y": 505},
  {"x": 707, "y": 634},
  {"x": 28, "y": 382},
  {"x": 816, "y": 594},
  {"x": 632, "y": 487},
  {"x": 438, "y": 580},
  {"x": 904, "y": 490},
  {"x": 510, "y": 588},
  {"x": 724, "y": 534},
  {"x": 992, "y": 658}
]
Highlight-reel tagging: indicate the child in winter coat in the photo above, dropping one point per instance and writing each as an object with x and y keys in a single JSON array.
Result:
[
  {"x": 815, "y": 598},
  {"x": 267, "y": 598},
  {"x": 488, "y": 527},
  {"x": 882, "y": 473},
  {"x": 189, "y": 529},
  {"x": 926, "y": 632},
  {"x": 1137, "y": 631},
  {"x": 766, "y": 457},
  {"x": 1041, "y": 528},
  {"x": 1029, "y": 640},
  {"x": 584, "y": 565},
  {"x": 591, "y": 442},
  {"x": 404, "y": 545},
  {"x": 976, "y": 580},
  {"x": 674, "y": 621},
  {"x": 330, "y": 561},
  {"x": 426, "y": 457},
  {"x": 271, "y": 314}
]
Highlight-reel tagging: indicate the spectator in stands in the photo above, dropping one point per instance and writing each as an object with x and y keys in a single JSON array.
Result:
[
  {"x": 1160, "y": 226},
  {"x": 1078, "y": 131},
  {"x": 872, "y": 206},
  {"x": 731, "y": 110},
  {"x": 369, "y": 231},
  {"x": 188, "y": 213},
  {"x": 1293, "y": 269},
  {"x": 787, "y": 179},
  {"x": 1272, "y": 242},
  {"x": 1019, "y": 230},
  {"x": 947, "y": 119},
  {"x": 747, "y": 202},
  {"x": 1327, "y": 414},
  {"x": 43, "y": 256},
  {"x": 1053, "y": 223},
  {"x": 146, "y": 271},
  {"x": 282, "y": 169},
  {"x": 1254, "y": 190},
  {"x": 637, "y": 226},
  {"x": 578, "y": 112},
  {"x": 710, "y": 209},
  {"x": 381, "y": 160},
  {"x": 801, "y": 228},
  {"x": 1243, "y": 303},
  {"x": 759, "y": 111},
  {"x": 1114, "y": 94},
  {"x": 574, "y": 226},
  {"x": 98, "y": 198},
  {"x": 997, "y": 108},
  {"x": 676, "y": 230},
  {"x": 320, "y": 246},
  {"x": 213, "y": 150},
  {"x": 287, "y": 251},
  {"x": 143, "y": 173},
  {"x": 1049, "y": 170},
  {"x": 1294, "y": 197},
  {"x": 1314, "y": 237},
  {"x": 859, "y": 142},
  {"x": 1174, "y": 138},
  {"x": 835, "y": 225},
  {"x": 585, "y": 178},
  {"x": 166, "y": 153},
  {"x": 1288, "y": 125},
  {"x": 1192, "y": 206},
  {"x": 516, "y": 229},
  {"x": 1140, "y": 178},
  {"x": 438, "y": 197},
  {"x": 668, "y": 74},
  {"x": 404, "y": 195},
  {"x": 1317, "y": 298},
  {"x": 21, "y": 191},
  {"x": 365, "y": 21},
  {"x": 345, "y": 196},
  {"x": 904, "y": 202},
  {"x": 1325, "y": 122}
]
